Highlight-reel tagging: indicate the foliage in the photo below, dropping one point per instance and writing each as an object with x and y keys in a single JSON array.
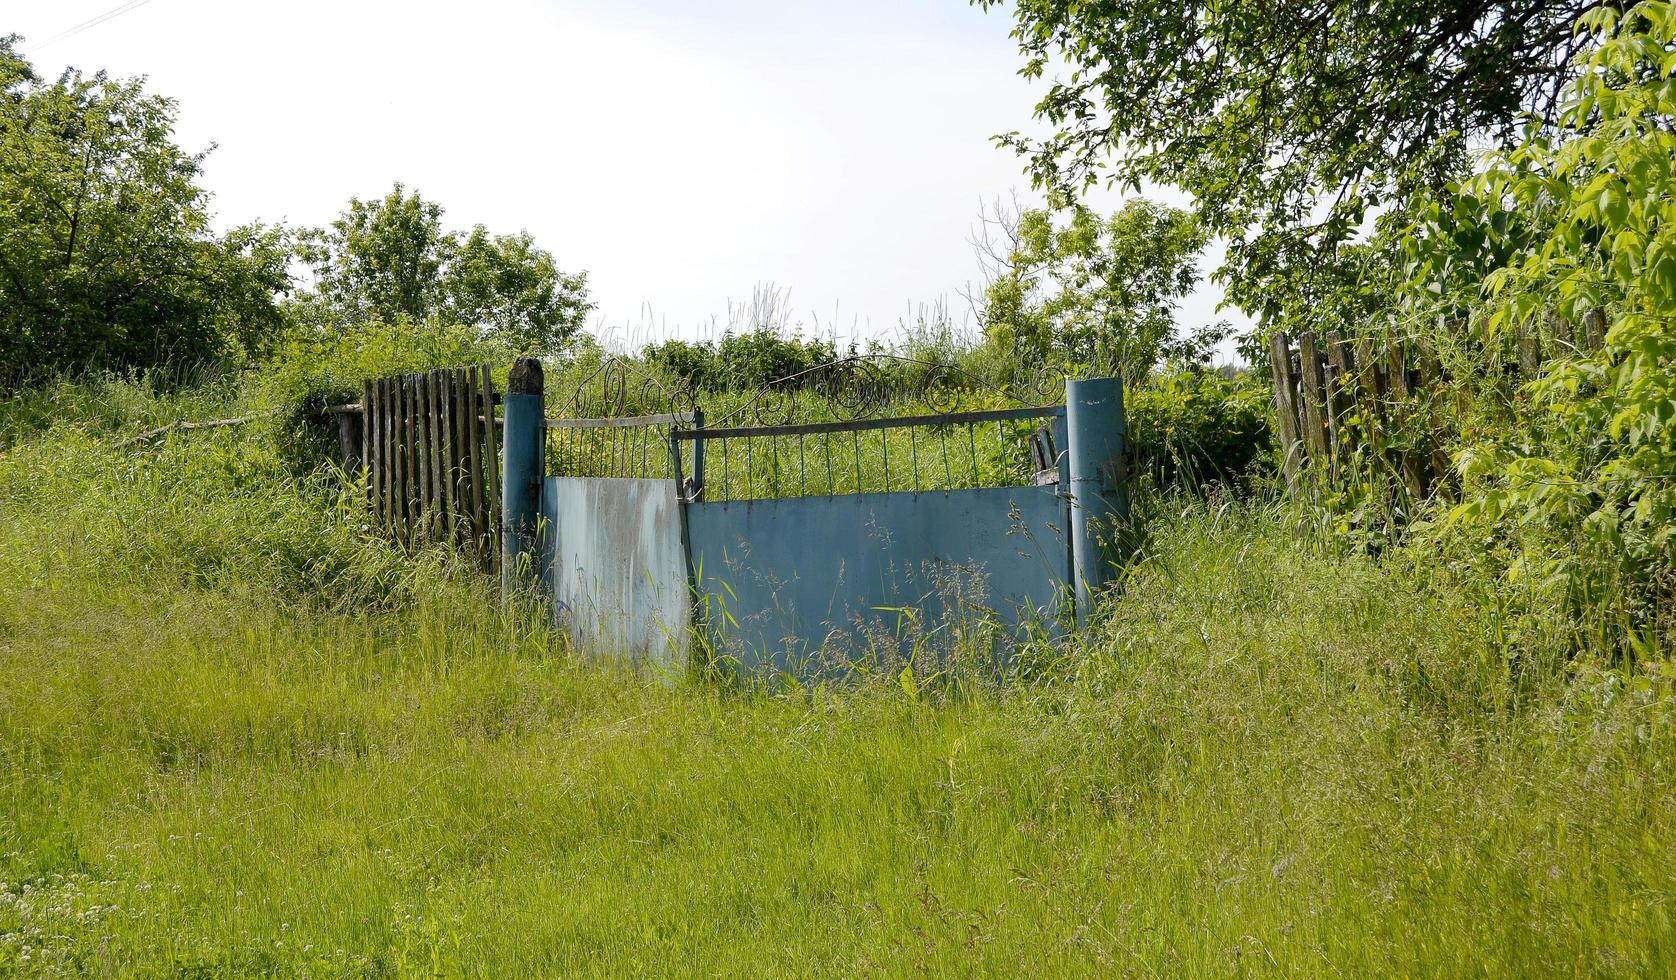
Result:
[
  {"x": 1576, "y": 492},
  {"x": 107, "y": 259},
  {"x": 221, "y": 509},
  {"x": 1290, "y": 124},
  {"x": 333, "y": 365},
  {"x": 390, "y": 261},
  {"x": 1192, "y": 429},
  {"x": 741, "y": 361},
  {"x": 1097, "y": 295}
]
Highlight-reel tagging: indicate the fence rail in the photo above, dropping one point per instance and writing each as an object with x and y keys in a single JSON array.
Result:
[
  {"x": 786, "y": 460},
  {"x": 862, "y": 425}
]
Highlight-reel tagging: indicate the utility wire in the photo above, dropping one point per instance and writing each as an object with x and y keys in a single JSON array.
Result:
[{"x": 87, "y": 25}]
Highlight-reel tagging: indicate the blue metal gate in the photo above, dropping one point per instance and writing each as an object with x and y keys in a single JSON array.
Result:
[{"x": 797, "y": 548}]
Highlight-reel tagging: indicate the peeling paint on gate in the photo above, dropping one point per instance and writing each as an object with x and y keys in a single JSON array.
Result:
[{"x": 616, "y": 569}]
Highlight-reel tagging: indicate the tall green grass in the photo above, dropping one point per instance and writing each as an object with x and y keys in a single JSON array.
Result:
[{"x": 241, "y": 738}]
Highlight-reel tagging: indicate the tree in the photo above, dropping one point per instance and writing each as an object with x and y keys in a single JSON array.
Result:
[
  {"x": 107, "y": 259},
  {"x": 382, "y": 259},
  {"x": 1094, "y": 293},
  {"x": 1291, "y": 123},
  {"x": 513, "y": 289},
  {"x": 390, "y": 260}
]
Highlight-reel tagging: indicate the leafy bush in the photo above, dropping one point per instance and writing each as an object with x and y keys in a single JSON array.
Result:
[
  {"x": 332, "y": 364},
  {"x": 1572, "y": 496},
  {"x": 1194, "y": 428},
  {"x": 740, "y": 361}
]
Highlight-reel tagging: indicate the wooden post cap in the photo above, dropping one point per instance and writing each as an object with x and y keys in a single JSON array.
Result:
[{"x": 525, "y": 377}]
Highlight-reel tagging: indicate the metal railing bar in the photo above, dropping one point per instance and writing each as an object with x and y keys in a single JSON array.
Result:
[
  {"x": 627, "y": 422},
  {"x": 831, "y": 486},
  {"x": 861, "y": 425}
]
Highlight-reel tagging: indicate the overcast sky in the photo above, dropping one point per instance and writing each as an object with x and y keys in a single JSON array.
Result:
[{"x": 680, "y": 152}]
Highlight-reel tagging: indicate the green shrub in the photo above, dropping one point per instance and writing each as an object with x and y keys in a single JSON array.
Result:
[
  {"x": 332, "y": 362},
  {"x": 1195, "y": 428},
  {"x": 738, "y": 361},
  {"x": 1571, "y": 492}
]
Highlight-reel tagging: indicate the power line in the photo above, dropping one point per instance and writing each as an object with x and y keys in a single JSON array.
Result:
[{"x": 87, "y": 25}]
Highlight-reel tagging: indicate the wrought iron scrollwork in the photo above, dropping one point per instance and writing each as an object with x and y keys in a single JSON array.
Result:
[{"x": 618, "y": 387}]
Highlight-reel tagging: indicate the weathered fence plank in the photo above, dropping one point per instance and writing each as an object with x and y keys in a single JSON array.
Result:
[
  {"x": 1286, "y": 406},
  {"x": 1312, "y": 387},
  {"x": 1529, "y": 347},
  {"x": 460, "y": 532},
  {"x": 429, "y": 447},
  {"x": 474, "y": 455},
  {"x": 401, "y": 482},
  {"x": 1594, "y": 330},
  {"x": 491, "y": 460},
  {"x": 367, "y": 439},
  {"x": 448, "y": 524}
]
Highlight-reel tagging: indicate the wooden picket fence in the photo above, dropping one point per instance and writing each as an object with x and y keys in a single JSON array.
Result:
[
  {"x": 429, "y": 442},
  {"x": 1323, "y": 385}
]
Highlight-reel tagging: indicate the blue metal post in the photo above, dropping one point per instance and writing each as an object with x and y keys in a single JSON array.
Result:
[
  {"x": 698, "y": 456},
  {"x": 525, "y": 469},
  {"x": 1095, "y": 429}
]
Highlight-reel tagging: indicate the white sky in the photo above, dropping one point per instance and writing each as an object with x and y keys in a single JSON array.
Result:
[{"x": 681, "y": 152}]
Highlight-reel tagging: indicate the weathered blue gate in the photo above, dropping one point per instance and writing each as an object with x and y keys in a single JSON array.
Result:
[{"x": 717, "y": 543}]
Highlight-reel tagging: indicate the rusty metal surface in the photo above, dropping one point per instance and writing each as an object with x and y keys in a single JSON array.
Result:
[{"x": 616, "y": 568}]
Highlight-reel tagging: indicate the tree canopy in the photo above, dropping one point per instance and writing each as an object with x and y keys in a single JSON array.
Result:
[
  {"x": 1095, "y": 293},
  {"x": 391, "y": 260},
  {"x": 1290, "y": 122},
  {"x": 107, "y": 258}
]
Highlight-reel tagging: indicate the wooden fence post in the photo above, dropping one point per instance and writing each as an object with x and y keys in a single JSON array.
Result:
[
  {"x": 1312, "y": 387},
  {"x": 1286, "y": 406},
  {"x": 351, "y": 438},
  {"x": 1594, "y": 330},
  {"x": 1530, "y": 349}
]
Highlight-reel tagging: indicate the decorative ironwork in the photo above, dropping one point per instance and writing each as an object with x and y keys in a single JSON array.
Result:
[
  {"x": 616, "y": 423},
  {"x": 619, "y": 388}
]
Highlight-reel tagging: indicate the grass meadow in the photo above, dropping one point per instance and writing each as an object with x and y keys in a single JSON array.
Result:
[{"x": 240, "y": 737}]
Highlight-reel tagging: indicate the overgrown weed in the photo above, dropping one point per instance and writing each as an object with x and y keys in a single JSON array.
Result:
[{"x": 258, "y": 740}]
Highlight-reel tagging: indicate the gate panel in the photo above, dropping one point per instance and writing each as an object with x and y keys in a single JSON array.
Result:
[
  {"x": 802, "y": 584},
  {"x": 615, "y": 567}
]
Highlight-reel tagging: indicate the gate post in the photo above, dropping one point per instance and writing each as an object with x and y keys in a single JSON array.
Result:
[
  {"x": 525, "y": 467},
  {"x": 1096, "y": 431}
]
